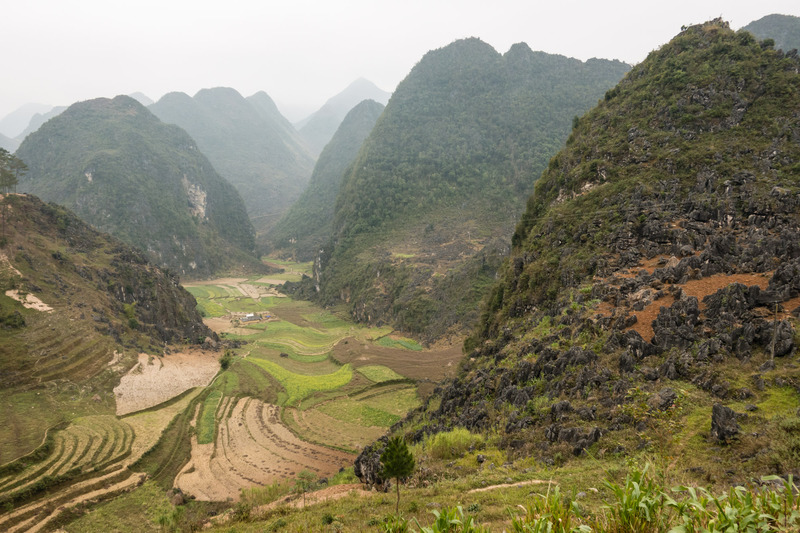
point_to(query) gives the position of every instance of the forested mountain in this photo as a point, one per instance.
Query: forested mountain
(424, 215)
(652, 294)
(12, 124)
(127, 173)
(307, 225)
(142, 98)
(87, 297)
(8, 144)
(37, 120)
(319, 128)
(249, 143)
(783, 29)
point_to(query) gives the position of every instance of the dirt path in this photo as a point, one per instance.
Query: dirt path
(512, 485)
(154, 380)
(336, 492)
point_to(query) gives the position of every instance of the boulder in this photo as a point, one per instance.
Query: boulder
(662, 400)
(723, 423)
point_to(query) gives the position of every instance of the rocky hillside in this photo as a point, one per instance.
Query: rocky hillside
(307, 225)
(73, 303)
(651, 299)
(127, 173)
(249, 143)
(426, 212)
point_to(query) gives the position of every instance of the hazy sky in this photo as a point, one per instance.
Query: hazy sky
(301, 52)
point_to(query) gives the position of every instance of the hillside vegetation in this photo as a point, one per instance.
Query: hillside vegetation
(319, 128)
(249, 143)
(306, 227)
(126, 173)
(76, 308)
(650, 302)
(424, 215)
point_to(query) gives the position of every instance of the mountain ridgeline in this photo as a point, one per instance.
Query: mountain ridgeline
(306, 228)
(424, 215)
(249, 143)
(318, 129)
(127, 173)
(784, 30)
(652, 295)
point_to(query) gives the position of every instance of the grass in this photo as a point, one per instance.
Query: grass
(399, 342)
(207, 421)
(379, 373)
(299, 386)
(131, 512)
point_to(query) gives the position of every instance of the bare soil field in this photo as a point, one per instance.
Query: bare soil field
(315, 426)
(29, 301)
(252, 448)
(154, 380)
(433, 365)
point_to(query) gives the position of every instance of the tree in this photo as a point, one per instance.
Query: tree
(304, 482)
(398, 463)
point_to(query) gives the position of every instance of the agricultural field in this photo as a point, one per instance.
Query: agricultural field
(302, 391)
(320, 404)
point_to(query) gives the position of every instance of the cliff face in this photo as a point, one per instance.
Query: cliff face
(652, 295)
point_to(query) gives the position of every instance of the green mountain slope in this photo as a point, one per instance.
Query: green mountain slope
(783, 29)
(424, 216)
(125, 172)
(651, 300)
(103, 296)
(307, 225)
(318, 129)
(249, 143)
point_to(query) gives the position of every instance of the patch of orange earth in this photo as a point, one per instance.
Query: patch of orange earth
(699, 288)
(645, 317)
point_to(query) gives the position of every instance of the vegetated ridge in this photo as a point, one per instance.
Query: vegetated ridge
(651, 299)
(127, 173)
(87, 296)
(249, 143)
(306, 227)
(424, 216)
(318, 128)
(783, 29)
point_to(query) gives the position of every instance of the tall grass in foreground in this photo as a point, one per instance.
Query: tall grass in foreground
(641, 506)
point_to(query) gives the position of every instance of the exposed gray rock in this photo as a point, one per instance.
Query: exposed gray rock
(723, 423)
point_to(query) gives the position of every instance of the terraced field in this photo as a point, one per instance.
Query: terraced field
(87, 460)
(252, 447)
(89, 450)
(323, 410)
(286, 403)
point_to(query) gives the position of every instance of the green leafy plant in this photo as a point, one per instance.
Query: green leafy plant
(549, 513)
(452, 520)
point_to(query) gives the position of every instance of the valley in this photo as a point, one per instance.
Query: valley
(529, 293)
(303, 391)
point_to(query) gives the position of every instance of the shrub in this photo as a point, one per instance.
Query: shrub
(452, 444)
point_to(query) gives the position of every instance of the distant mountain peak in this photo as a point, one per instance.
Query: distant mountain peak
(318, 128)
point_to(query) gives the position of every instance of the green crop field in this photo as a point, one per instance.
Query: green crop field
(379, 373)
(298, 386)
